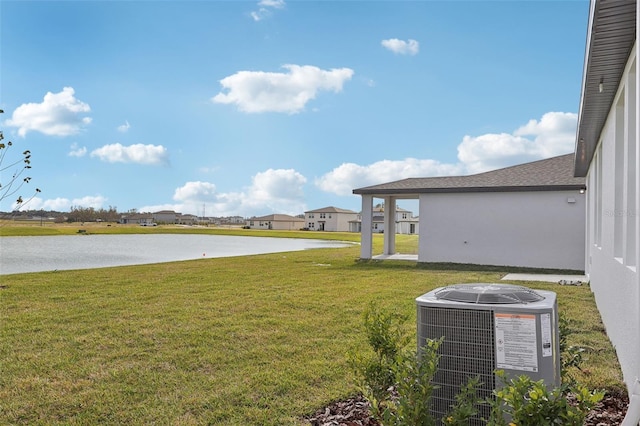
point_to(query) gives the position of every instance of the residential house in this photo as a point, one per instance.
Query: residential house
(165, 217)
(187, 219)
(230, 220)
(608, 155)
(329, 219)
(530, 215)
(406, 223)
(145, 219)
(280, 222)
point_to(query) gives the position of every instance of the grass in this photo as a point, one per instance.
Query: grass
(29, 228)
(255, 340)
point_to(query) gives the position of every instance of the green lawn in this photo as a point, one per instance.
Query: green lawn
(255, 340)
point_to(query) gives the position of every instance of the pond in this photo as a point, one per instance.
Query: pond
(36, 254)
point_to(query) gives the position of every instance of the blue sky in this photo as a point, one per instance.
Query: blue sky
(251, 108)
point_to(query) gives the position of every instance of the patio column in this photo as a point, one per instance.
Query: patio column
(389, 225)
(423, 229)
(366, 231)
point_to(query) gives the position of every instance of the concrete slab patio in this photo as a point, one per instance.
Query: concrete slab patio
(551, 278)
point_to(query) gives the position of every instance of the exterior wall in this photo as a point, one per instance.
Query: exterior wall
(355, 226)
(287, 225)
(277, 225)
(404, 227)
(613, 212)
(165, 217)
(531, 229)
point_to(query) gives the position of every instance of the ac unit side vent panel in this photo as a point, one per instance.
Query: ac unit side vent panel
(468, 351)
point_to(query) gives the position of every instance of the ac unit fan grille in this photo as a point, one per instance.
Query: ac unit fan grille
(491, 294)
(468, 350)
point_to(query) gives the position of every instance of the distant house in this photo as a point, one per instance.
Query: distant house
(280, 222)
(329, 219)
(530, 215)
(187, 219)
(231, 220)
(137, 219)
(165, 217)
(406, 223)
(608, 155)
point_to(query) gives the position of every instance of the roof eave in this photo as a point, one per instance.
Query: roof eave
(417, 191)
(602, 72)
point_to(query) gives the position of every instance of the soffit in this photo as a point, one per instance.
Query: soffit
(610, 40)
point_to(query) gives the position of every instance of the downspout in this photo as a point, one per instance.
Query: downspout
(632, 418)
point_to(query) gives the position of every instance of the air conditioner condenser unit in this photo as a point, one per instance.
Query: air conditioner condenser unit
(489, 327)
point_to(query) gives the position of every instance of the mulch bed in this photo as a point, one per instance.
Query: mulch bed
(355, 412)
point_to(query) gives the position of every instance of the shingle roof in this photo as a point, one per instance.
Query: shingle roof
(552, 174)
(330, 209)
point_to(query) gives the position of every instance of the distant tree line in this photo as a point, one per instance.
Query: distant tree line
(89, 214)
(77, 214)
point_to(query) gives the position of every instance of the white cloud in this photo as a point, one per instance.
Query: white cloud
(137, 153)
(65, 204)
(195, 191)
(77, 151)
(276, 186)
(271, 191)
(348, 176)
(278, 4)
(124, 128)
(59, 114)
(401, 47)
(265, 9)
(258, 91)
(553, 134)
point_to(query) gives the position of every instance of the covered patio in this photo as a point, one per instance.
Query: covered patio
(530, 215)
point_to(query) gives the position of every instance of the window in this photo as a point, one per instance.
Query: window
(322, 216)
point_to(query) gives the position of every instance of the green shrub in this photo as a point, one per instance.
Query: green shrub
(466, 405)
(413, 374)
(529, 403)
(376, 372)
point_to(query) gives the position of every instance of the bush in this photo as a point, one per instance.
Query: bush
(529, 403)
(376, 372)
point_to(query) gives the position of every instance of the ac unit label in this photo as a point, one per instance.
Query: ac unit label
(516, 342)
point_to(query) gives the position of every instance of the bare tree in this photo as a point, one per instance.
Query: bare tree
(17, 169)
